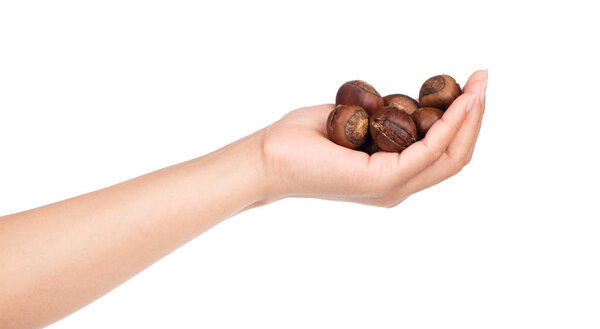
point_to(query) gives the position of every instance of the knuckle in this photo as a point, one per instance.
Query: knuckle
(464, 160)
(390, 205)
(436, 154)
(467, 159)
(455, 164)
(391, 201)
(456, 167)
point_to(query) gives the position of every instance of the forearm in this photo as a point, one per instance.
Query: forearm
(58, 258)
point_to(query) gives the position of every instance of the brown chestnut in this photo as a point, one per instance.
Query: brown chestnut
(403, 102)
(424, 118)
(439, 92)
(348, 125)
(392, 129)
(357, 92)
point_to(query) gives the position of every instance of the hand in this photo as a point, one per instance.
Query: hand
(301, 161)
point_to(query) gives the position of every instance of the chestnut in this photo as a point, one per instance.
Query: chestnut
(424, 118)
(348, 125)
(403, 102)
(357, 92)
(439, 92)
(392, 129)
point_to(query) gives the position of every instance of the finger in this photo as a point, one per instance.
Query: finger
(479, 77)
(453, 159)
(314, 117)
(423, 153)
(460, 148)
(470, 155)
(483, 101)
(319, 117)
(476, 77)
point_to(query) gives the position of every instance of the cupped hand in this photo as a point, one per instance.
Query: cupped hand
(301, 161)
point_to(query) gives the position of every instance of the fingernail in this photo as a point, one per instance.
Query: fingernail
(484, 86)
(470, 102)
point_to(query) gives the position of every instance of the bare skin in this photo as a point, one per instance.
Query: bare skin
(60, 257)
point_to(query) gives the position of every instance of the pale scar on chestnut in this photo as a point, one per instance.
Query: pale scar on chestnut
(433, 85)
(364, 86)
(357, 123)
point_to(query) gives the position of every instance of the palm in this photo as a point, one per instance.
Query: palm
(300, 147)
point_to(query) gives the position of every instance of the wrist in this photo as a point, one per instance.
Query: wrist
(256, 173)
(244, 162)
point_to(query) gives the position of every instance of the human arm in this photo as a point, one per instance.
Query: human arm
(57, 258)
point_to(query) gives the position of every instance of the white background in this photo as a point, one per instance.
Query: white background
(93, 93)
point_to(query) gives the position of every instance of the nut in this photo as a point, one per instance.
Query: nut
(403, 102)
(424, 118)
(392, 129)
(439, 92)
(348, 125)
(357, 92)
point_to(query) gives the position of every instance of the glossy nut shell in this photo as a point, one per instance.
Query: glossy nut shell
(403, 102)
(348, 125)
(392, 129)
(424, 118)
(439, 92)
(357, 92)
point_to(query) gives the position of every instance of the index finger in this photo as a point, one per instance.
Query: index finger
(473, 84)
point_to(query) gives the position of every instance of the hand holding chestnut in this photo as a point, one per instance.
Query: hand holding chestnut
(395, 121)
(301, 160)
